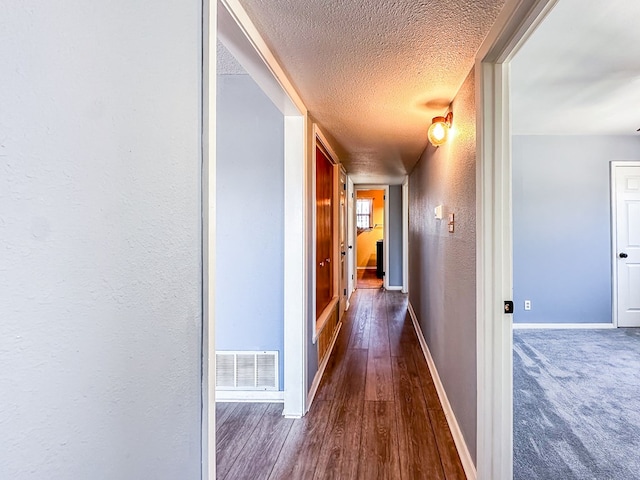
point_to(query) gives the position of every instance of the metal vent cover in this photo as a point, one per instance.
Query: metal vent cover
(247, 370)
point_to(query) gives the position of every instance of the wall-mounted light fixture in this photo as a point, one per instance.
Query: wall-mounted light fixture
(439, 129)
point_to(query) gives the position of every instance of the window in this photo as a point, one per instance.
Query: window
(364, 213)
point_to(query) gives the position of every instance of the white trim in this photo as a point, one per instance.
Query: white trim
(267, 72)
(558, 326)
(250, 396)
(398, 288)
(322, 139)
(208, 395)
(405, 235)
(295, 272)
(239, 34)
(514, 24)
(456, 433)
(385, 239)
(613, 208)
(385, 229)
(321, 368)
(614, 234)
(351, 239)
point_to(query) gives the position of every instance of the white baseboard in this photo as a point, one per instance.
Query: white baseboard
(398, 288)
(249, 396)
(321, 368)
(555, 326)
(458, 438)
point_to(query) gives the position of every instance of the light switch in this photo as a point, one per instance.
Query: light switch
(438, 212)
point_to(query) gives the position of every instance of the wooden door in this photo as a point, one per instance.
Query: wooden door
(324, 231)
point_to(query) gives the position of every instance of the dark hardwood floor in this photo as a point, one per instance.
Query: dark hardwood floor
(376, 414)
(366, 278)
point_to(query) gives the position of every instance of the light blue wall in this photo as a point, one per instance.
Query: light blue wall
(561, 226)
(250, 219)
(395, 235)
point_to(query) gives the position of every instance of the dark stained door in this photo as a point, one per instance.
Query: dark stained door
(324, 231)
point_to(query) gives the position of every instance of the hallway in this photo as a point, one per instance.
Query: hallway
(376, 413)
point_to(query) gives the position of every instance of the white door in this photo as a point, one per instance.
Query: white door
(627, 251)
(351, 235)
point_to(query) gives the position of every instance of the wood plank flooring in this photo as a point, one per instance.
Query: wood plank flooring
(366, 278)
(376, 414)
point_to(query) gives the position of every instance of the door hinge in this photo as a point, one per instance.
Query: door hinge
(344, 186)
(508, 306)
(345, 291)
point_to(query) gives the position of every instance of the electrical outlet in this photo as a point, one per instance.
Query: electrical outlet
(527, 304)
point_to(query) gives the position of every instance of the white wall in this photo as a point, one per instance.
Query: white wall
(250, 219)
(442, 265)
(100, 240)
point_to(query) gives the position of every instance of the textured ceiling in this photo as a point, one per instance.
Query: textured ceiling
(374, 72)
(226, 63)
(579, 73)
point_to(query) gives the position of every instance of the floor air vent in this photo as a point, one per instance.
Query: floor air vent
(246, 370)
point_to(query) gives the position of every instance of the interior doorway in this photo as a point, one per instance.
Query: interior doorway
(370, 238)
(625, 208)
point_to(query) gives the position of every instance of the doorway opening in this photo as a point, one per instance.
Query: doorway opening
(370, 238)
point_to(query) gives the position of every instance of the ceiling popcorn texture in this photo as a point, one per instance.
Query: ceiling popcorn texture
(226, 64)
(374, 72)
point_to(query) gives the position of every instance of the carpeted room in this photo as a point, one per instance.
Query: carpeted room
(576, 404)
(576, 389)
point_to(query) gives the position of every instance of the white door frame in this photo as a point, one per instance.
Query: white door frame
(351, 240)
(614, 236)
(228, 20)
(385, 230)
(494, 282)
(208, 425)
(405, 235)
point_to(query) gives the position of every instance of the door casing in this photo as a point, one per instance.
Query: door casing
(494, 251)
(614, 237)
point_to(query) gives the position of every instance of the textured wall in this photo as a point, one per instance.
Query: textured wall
(562, 226)
(100, 240)
(442, 265)
(395, 236)
(250, 219)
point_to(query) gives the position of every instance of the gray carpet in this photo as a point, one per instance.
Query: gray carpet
(576, 397)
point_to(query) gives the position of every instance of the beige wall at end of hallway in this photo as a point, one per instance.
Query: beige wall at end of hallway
(366, 241)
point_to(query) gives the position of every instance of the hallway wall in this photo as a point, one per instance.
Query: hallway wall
(100, 240)
(442, 265)
(250, 219)
(395, 236)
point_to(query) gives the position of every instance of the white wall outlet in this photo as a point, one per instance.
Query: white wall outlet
(527, 304)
